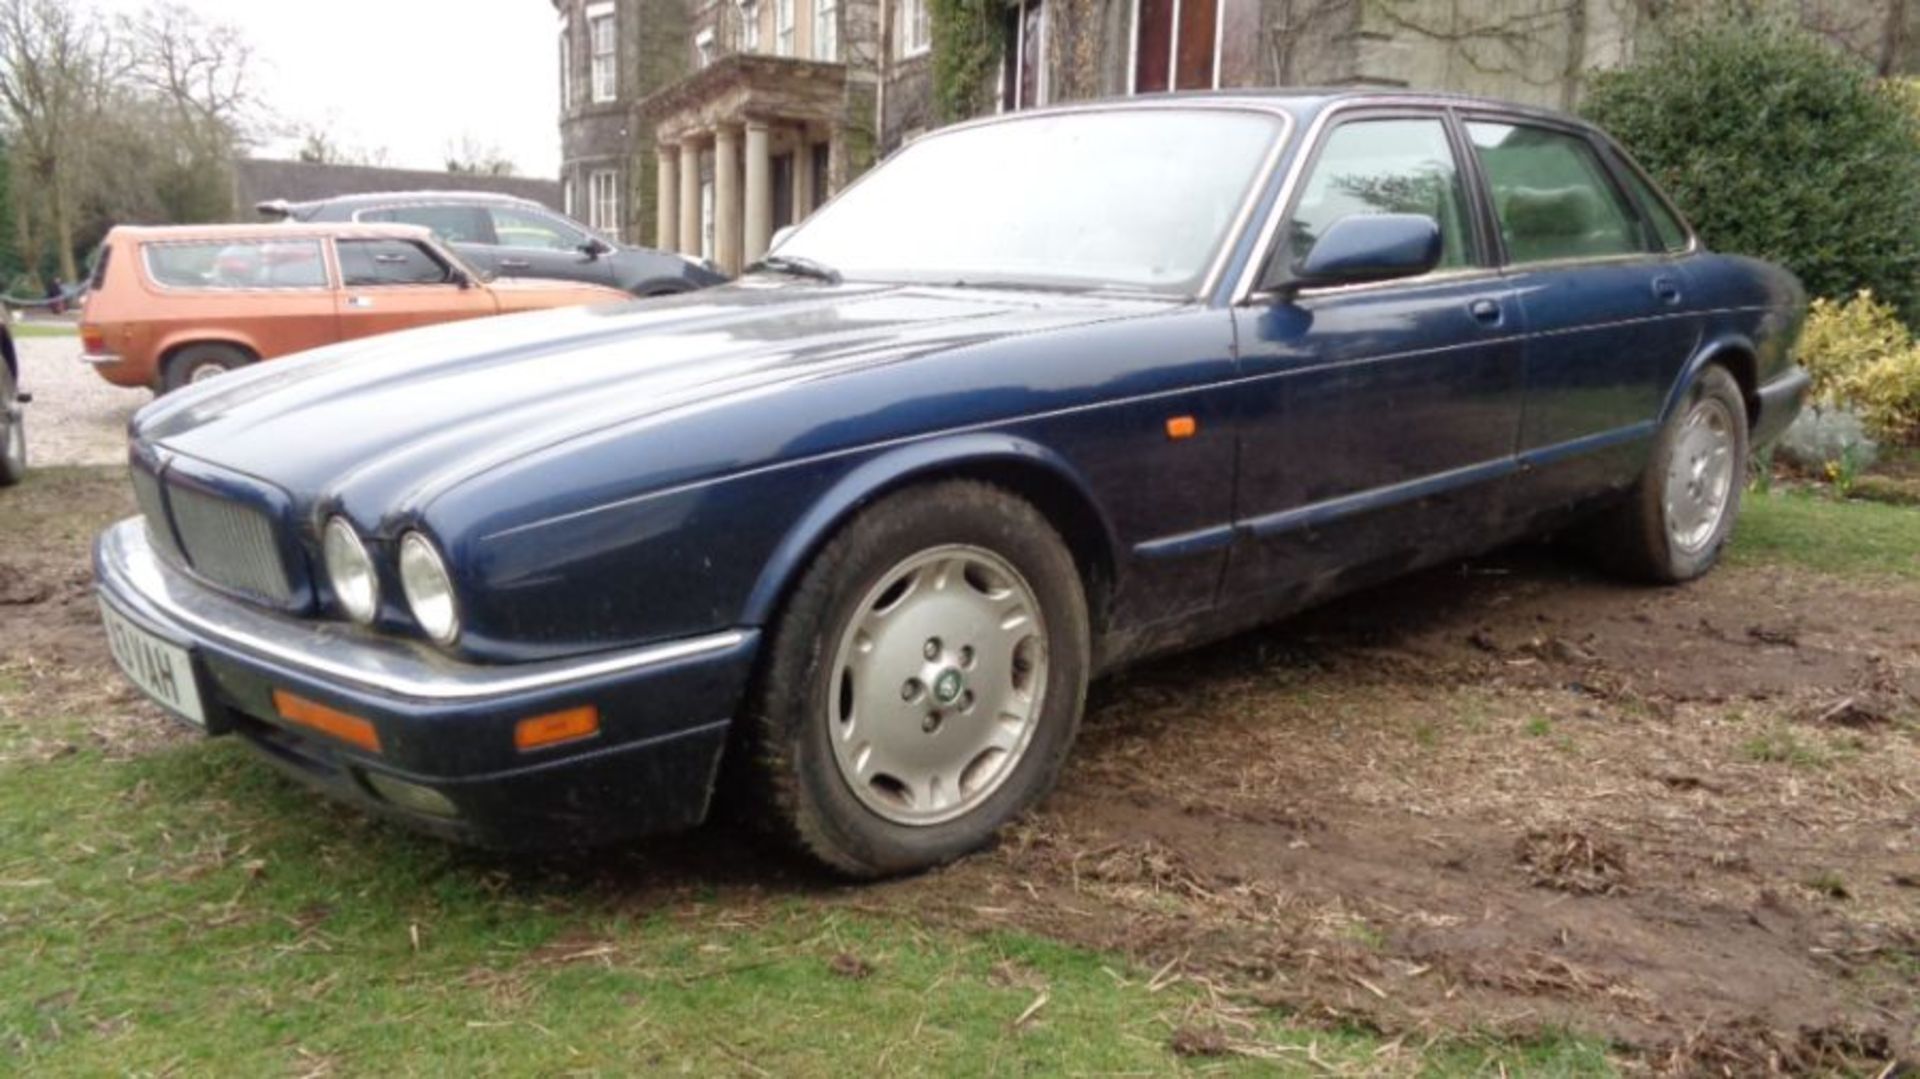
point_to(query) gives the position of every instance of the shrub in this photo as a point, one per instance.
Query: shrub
(1779, 146)
(1862, 357)
(1827, 441)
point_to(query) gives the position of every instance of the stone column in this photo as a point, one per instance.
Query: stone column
(759, 215)
(726, 198)
(666, 198)
(689, 197)
(804, 198)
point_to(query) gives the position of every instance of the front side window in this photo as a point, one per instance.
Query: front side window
(1141, 201)
(783, 27)
(452, 224)
(245, 265)
(606, 49)
(1386, 166)
(1175, 45)
(916, 27)
(603, 202)
(826, 30)
(381, 263)
(1551, 195)
(521, 228)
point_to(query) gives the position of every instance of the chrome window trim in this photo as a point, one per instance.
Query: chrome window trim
(388, 665)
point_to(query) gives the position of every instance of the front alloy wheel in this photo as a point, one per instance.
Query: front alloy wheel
(924, 682)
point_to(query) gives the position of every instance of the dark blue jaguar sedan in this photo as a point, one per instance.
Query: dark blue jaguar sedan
(1043, 394)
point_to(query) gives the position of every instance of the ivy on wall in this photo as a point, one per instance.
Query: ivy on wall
(967, 39)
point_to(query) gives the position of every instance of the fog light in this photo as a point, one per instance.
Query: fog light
(411, 796)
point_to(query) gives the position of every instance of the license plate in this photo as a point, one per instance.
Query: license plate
(162, 669)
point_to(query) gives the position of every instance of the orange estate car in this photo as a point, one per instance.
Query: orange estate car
(174, 305)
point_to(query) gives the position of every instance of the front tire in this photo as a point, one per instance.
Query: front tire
(924, 683)
(1682, 510)
(13, 432)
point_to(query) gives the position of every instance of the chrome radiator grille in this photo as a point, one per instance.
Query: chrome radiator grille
(146, 492)
(230, 544)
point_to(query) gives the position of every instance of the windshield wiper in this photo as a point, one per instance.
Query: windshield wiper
(798, 266)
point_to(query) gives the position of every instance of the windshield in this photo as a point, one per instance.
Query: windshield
(1133, 199)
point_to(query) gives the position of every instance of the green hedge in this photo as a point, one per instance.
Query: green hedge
(1778, 145)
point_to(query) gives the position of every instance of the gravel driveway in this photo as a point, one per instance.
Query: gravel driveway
(76, 418)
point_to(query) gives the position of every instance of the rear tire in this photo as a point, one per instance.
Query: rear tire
(13, 432)
(923, 684)
(1681, 512)
(197, 363)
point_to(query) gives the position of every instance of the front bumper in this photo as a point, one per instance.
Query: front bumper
(445, 725)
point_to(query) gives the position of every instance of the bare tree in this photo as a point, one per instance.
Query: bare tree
(53, 57)
(474, 158)
(197, 70)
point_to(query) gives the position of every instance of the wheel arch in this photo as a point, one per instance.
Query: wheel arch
(1025, 468)
(1734, 352)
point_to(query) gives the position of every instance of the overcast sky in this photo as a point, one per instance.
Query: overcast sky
(411, 76)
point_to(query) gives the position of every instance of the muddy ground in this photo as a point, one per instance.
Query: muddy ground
(1508, 797)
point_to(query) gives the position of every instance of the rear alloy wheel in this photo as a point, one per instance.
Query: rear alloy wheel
(13, 432)
(198, 363)
(1683, 509)
(924, 684)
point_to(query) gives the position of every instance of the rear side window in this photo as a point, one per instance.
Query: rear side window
(452, 224)
(1552, 195)
(373, 263)
(1672, 234)
(1387, 166)
(518, 228)
(247, 264)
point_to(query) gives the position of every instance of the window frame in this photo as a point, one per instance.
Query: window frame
(614, 231)
(607, 63)
(785, 17)
(917, 38)
(566, 65)
(454, 274)
(1650, 243)
(826, 31)
(1010, 100)
(1483, 256)
(749, 25)
(1173, 47)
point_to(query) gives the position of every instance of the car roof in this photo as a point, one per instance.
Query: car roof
(388, 198)
(272, 230)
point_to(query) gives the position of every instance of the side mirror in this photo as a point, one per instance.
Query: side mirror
(780, 236)
(1362, 248)
(596, 247)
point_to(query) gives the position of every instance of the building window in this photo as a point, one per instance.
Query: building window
(1024, 84)
(606, 52)
(783, 27)
(916, 27)
(749, 26)
(566, 196)
(703, 48)
(826, 30)
(1176, 45)
(603, 203)
(566, 67)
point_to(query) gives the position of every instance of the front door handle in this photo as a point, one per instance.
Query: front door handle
(1487, 311)
(515, 264)
(1666, 291)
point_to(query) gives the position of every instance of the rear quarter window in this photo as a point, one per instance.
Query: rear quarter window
(244, 264)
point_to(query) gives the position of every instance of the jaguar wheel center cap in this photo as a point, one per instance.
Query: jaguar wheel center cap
(948, 686)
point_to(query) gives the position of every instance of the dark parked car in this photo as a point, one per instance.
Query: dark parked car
(13, 422)
(865, 524)
(503, 236)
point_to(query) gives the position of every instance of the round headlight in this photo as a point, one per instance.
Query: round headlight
(423, 577)
(350, 571)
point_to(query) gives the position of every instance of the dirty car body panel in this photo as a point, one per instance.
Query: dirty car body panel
(623, 496)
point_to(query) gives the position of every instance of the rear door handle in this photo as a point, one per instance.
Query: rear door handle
(515, 264)
(1487, 311)
(1666, 291)
(359, 301)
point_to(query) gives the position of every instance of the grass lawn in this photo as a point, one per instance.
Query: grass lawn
(1811, 530)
